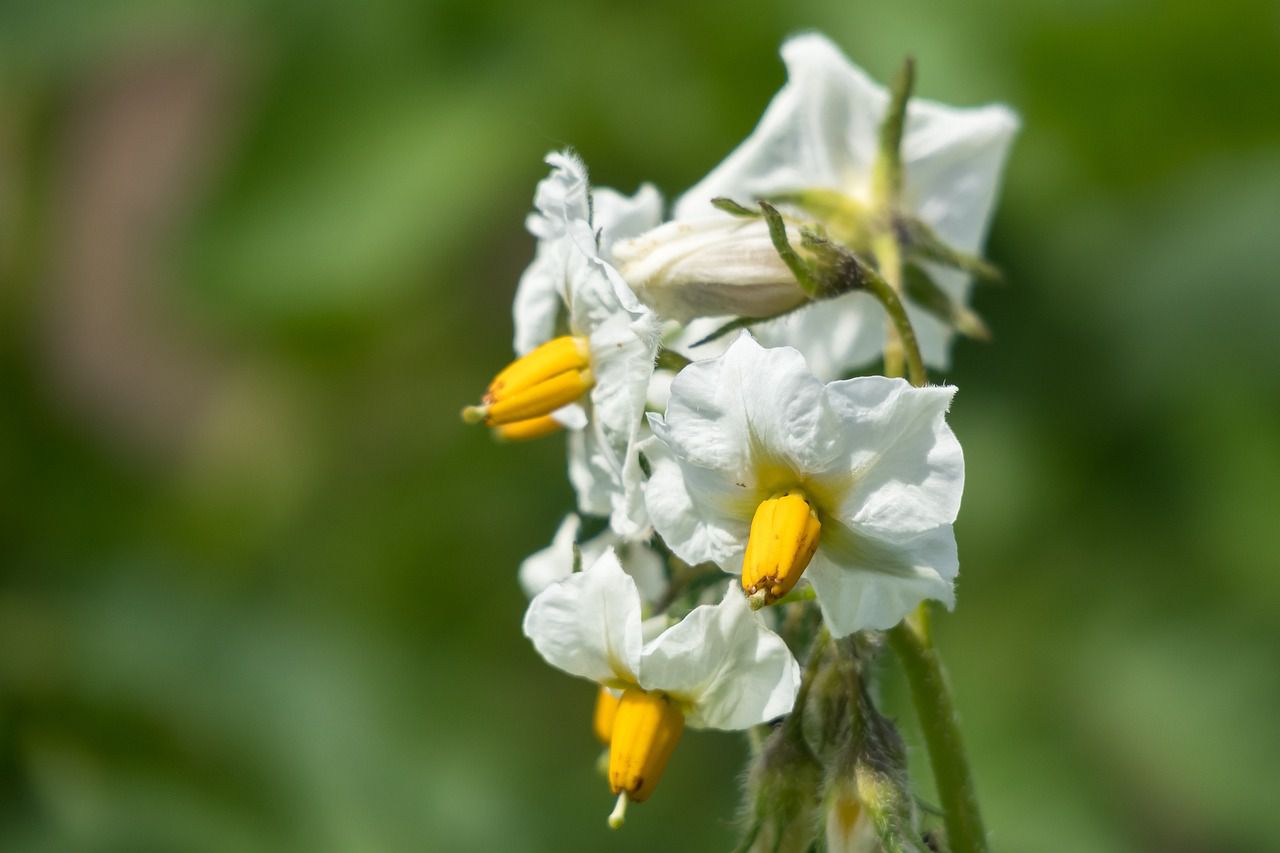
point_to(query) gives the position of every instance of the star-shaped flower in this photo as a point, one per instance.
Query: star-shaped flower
(593, 376)
(821, 132)
(718, 668)
(761, 468)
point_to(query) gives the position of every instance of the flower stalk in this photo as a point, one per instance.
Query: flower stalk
(931, 694)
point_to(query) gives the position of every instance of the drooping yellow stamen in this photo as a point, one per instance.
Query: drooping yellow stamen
(646, 728)
(606, 710)
(784, 535)
(535, 385)
(528, 429)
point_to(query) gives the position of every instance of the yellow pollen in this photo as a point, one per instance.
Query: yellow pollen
(535, 385)
(606, 710)
(527, 429)
(646, 728)
(784, 535)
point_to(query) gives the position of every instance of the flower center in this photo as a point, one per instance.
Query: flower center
(522, 397)
(646, 728)
(784, 536)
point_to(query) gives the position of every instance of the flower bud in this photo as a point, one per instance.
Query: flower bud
(849, 826)
(709, 268)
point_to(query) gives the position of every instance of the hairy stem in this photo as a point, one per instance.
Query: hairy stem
(901, 332)
(931, 694)
(888, 256)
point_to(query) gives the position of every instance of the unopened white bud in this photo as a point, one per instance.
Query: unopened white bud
(710, 267)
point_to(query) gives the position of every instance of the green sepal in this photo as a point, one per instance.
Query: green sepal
(887, 174)
(670, 360)
(925, 293)
(732, 208)
(923, 243)
(803, 273)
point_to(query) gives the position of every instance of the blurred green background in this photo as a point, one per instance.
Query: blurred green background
(257, 588)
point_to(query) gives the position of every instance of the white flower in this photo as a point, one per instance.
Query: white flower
(718, 668)
(593, 379)
(859, 479)
(572, 219)
(556, 562)
(821, 132)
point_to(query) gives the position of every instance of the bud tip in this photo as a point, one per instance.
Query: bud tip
(474, 414)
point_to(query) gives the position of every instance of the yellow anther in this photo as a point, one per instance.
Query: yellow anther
(646, 728)
(535, 385)
(606, 709)
(784, 535)
(529, 429)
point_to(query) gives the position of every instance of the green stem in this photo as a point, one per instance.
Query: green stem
(931, 694)
(817, 649)
(902, 332)
(888, 255)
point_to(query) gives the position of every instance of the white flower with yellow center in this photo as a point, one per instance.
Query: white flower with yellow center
(594, 376)
(761, 468)
(821, 133)
(718, 668)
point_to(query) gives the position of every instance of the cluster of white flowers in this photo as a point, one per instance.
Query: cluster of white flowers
(761, 460)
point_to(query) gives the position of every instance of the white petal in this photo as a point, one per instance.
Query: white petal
(572, 416)
(750, 411)
(905, 464)
(589, 624)
(539, 297)
(562, 198)
(554, 562)
(710, 529)
(604, 464)
(724, 665)
(952, 161)
(833, 335)
(820, 130)
(645, 565)
(868, 584)
(619, 217)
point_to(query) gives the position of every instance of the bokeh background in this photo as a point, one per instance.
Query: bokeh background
(257, 586)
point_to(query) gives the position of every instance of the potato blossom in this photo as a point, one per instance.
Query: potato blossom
(761, 468)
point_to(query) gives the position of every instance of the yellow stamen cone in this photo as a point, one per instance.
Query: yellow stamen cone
(606, 710)
(535, 385)
(541, 399)
(528, 429)
(646, 728)
(784, 535)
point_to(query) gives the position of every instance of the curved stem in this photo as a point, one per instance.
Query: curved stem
(905, 334)
(931, 695)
